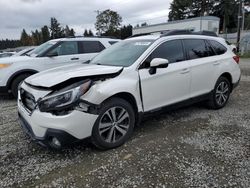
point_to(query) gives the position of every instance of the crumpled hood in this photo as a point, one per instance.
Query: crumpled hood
(17, 59)
(56, 76)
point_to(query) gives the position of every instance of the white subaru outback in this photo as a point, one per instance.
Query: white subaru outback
(53, 53)
(106, 98)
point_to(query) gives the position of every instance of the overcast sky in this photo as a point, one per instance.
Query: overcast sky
(78, 14)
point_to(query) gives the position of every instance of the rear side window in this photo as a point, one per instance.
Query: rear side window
(90, 47)
(171, 50)
(218, 47)
(197, 48)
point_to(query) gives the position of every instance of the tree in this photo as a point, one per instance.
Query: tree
(25, 38)
(55, 28)
(126, 31)
(226, 10)
(4, 44)
(91, 34)
(144, 24)
(247, 22)
(180, 9)
(108, 22)
(36, 38)
(67, 31)
(45, 33)
(72, 32)
(86, 34)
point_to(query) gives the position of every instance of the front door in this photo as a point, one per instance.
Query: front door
(168, 85)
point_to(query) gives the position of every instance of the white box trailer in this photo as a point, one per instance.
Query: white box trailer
(209, 23)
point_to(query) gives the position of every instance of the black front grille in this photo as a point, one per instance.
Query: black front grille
(28, 100)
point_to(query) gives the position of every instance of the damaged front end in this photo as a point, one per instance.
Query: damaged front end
(64, 100)
(67, 96)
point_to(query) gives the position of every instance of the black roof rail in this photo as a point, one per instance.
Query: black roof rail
(179, 32)
(110, 37)
(188, 32)
(176, 32)
(207, 33)
(138, 35)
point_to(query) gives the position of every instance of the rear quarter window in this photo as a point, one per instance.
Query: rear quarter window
(90, 47)
(197, 48)
(218, 47)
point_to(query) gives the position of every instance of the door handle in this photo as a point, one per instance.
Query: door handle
(74, 58)
(184, 71)
(216, 63)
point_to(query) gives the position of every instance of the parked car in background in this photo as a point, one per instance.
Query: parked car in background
(51, 54)
(6, 54)
(24, 51)
(106, 98)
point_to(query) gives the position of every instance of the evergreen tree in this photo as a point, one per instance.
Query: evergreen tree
(67, 31)
(45, 33)
(86, 34)
(25, 38)
(72, 32)
(126, 31)
(144, 24)
(91, 34)
(55, 28)
(36, 38)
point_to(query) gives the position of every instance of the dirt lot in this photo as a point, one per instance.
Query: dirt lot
(189, 147)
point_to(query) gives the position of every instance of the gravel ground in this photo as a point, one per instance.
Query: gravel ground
(189, 147)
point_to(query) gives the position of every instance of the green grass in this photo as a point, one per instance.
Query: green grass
(246, 55)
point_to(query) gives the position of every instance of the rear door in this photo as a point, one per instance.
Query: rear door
(202, 61)
(168, 85)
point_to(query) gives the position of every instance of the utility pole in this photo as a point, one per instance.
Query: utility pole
(239, 25)
(243, 14)
(201, 13)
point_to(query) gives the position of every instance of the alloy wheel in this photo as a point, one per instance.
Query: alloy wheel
(114, 124)
(222, 93)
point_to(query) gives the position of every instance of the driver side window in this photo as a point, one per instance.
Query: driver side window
(66, 48)
(171, 50)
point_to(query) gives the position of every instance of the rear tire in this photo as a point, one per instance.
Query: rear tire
(220, 94)
(16, 82)
(115, 124)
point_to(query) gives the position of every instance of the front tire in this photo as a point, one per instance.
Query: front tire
(16, 82)
(220, 94)
(114, 125)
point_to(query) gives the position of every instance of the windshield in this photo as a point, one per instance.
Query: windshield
(123, 53)
(42, 48)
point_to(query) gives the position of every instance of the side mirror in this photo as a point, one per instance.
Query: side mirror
(52, 54)
(157, 63)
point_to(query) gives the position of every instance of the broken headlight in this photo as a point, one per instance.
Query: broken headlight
(64, 98)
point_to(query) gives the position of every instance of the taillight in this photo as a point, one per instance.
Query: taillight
(237, 59)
